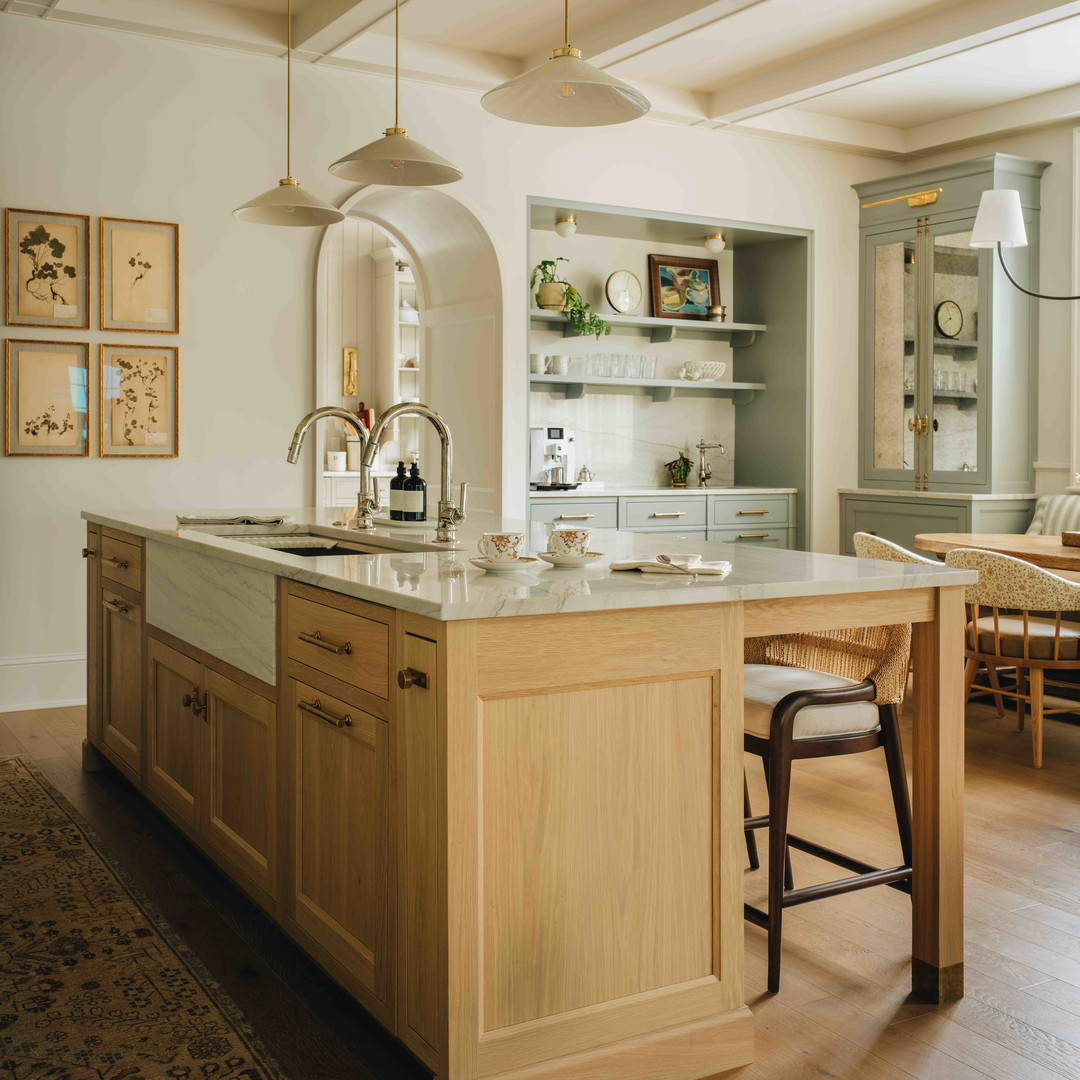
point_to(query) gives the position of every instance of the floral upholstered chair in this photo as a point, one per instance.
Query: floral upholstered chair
(869, 546)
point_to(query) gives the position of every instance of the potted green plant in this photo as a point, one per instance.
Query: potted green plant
(680, 469)
(554, 293)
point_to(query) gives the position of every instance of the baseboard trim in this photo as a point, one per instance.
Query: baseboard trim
(31, 706)
(46, 681)
(45, 658)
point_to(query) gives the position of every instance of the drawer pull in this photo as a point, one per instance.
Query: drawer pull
(753, 512)
(673, 513)
(408, 677)
(115, 605)
(191, 701)
(316, 709)
(88, 553)
(753, 536)
(120, 564)
(574, 517)
(316, 638)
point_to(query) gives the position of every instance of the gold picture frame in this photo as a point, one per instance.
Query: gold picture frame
(139, 272)
(46, 398)
(47, 269)
(138, 401)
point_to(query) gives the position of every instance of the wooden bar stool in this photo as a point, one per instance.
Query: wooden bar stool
(822, 695)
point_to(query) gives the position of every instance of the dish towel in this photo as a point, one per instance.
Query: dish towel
(182, 520)
(693, 563)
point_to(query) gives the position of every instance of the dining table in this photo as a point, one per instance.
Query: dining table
(1046, 551)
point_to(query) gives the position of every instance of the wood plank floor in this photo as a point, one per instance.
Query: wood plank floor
(843, 1011)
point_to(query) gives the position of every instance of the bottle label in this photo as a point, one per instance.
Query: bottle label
(412, 502)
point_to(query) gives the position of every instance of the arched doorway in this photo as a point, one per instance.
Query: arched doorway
(460, 288)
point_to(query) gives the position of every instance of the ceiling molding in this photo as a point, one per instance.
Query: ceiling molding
(325, 26)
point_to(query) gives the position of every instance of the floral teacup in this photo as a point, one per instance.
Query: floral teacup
(501, 546)
(570, 542)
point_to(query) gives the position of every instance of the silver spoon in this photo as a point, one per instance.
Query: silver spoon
(682, 569)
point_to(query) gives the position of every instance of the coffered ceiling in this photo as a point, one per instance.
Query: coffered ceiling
(898, 78)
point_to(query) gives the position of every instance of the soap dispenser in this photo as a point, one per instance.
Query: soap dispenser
(415, 505)
(397, 494)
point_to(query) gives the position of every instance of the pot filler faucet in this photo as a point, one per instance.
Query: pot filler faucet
(451, 514)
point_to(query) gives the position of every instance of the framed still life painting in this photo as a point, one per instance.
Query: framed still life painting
(683, 288)
(46, 399)
(140, 276)
(139, 401)
(47, 256)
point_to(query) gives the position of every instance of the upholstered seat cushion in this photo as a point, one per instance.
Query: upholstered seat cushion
(1040, 637)
(1055, 514)
(765, 684)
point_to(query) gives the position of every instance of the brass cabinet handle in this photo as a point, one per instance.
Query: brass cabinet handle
(316, 638)
(751, 512)
(753, 536)
(115, 605)
(408, 677)
(574, 517)
(88, 553)
(316, 709)
(674, 513)
(191, 701)
(120, 564)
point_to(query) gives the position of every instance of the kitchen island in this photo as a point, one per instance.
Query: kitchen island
(505, 813)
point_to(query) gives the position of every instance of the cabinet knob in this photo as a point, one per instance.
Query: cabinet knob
(408, 677)
(88, 553)
(191, 701)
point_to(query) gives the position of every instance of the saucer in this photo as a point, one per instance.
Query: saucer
(520, 563)
(570, 560)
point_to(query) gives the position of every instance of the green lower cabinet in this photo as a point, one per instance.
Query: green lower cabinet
(900, 518)
(763, 537)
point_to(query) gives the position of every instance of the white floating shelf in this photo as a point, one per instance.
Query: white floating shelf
(576, 386)
(738, 334)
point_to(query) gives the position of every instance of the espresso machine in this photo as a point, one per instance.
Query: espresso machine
(551, 459)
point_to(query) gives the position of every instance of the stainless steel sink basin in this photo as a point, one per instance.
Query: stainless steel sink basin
(313, 542)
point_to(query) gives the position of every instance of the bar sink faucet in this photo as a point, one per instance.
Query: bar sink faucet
(704, 468)
(451, 514)
(367, 498)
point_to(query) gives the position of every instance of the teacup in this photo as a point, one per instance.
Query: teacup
(501, 546)
(570, 542)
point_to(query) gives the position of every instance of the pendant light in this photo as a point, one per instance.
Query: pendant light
(288, 203)
(395, 158)
(566, 92)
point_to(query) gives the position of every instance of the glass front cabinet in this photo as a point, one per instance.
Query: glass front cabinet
(948, 346)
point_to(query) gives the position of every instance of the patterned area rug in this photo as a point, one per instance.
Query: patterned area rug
(94, 985)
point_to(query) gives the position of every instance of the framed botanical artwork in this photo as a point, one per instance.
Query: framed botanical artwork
(45, 412)
(47, 255)
(683, 288)
(139, 265)
(140, 410)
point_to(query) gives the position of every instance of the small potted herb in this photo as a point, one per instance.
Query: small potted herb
(680, 469)
(557, 294)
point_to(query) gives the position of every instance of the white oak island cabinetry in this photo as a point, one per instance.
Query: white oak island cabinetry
(504, 813)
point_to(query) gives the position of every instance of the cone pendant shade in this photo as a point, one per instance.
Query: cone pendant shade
(566, 92)
(288, 204)
(398, 160)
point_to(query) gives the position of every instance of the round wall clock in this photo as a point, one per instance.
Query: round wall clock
(623, 291)
(948, 318)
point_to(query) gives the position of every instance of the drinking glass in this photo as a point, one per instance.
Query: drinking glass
(648, 367)
(633, 367)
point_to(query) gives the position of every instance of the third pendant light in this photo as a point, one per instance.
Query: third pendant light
(395, 158)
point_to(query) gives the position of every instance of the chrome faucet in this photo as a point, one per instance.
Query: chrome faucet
(367, 498)
(451, 514)
(704, 468)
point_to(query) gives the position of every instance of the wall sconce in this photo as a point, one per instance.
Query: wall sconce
(715, 243)
(566, 226)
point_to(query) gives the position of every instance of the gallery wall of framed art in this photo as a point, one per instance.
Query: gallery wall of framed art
(52, 388)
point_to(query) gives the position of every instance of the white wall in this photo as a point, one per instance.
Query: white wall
(103, 123)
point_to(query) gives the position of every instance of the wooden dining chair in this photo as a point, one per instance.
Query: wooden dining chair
(822, 695)
(1015, 620)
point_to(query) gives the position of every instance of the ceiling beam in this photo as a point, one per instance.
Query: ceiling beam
(324, 26)
(898, 48)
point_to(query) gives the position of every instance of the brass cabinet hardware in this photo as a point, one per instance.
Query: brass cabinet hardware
(115, 605)
(753, 536)
(408, 677)
(574, 517)
(914, 198)
(316, 638)
(741, 512)
(199, 708)
(315, 709)
(88, 553)
(120, 564)
(673, 513)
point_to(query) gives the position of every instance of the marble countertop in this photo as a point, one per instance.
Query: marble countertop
(442, 584)
(951, 496)
(600, 493)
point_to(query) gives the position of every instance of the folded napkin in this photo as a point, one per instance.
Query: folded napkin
(649, 565)
(196, 519)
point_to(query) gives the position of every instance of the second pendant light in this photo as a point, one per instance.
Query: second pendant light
(395, 158)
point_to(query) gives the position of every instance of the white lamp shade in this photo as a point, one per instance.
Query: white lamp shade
(715, 243)
(288, 204)
(1000, 220)
(397, 160)
(566, 92)
(565, 226)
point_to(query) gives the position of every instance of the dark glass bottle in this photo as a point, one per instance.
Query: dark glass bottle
(397, 494)
(415, 495)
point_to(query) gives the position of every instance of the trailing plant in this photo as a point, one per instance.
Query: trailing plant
(578, 313)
